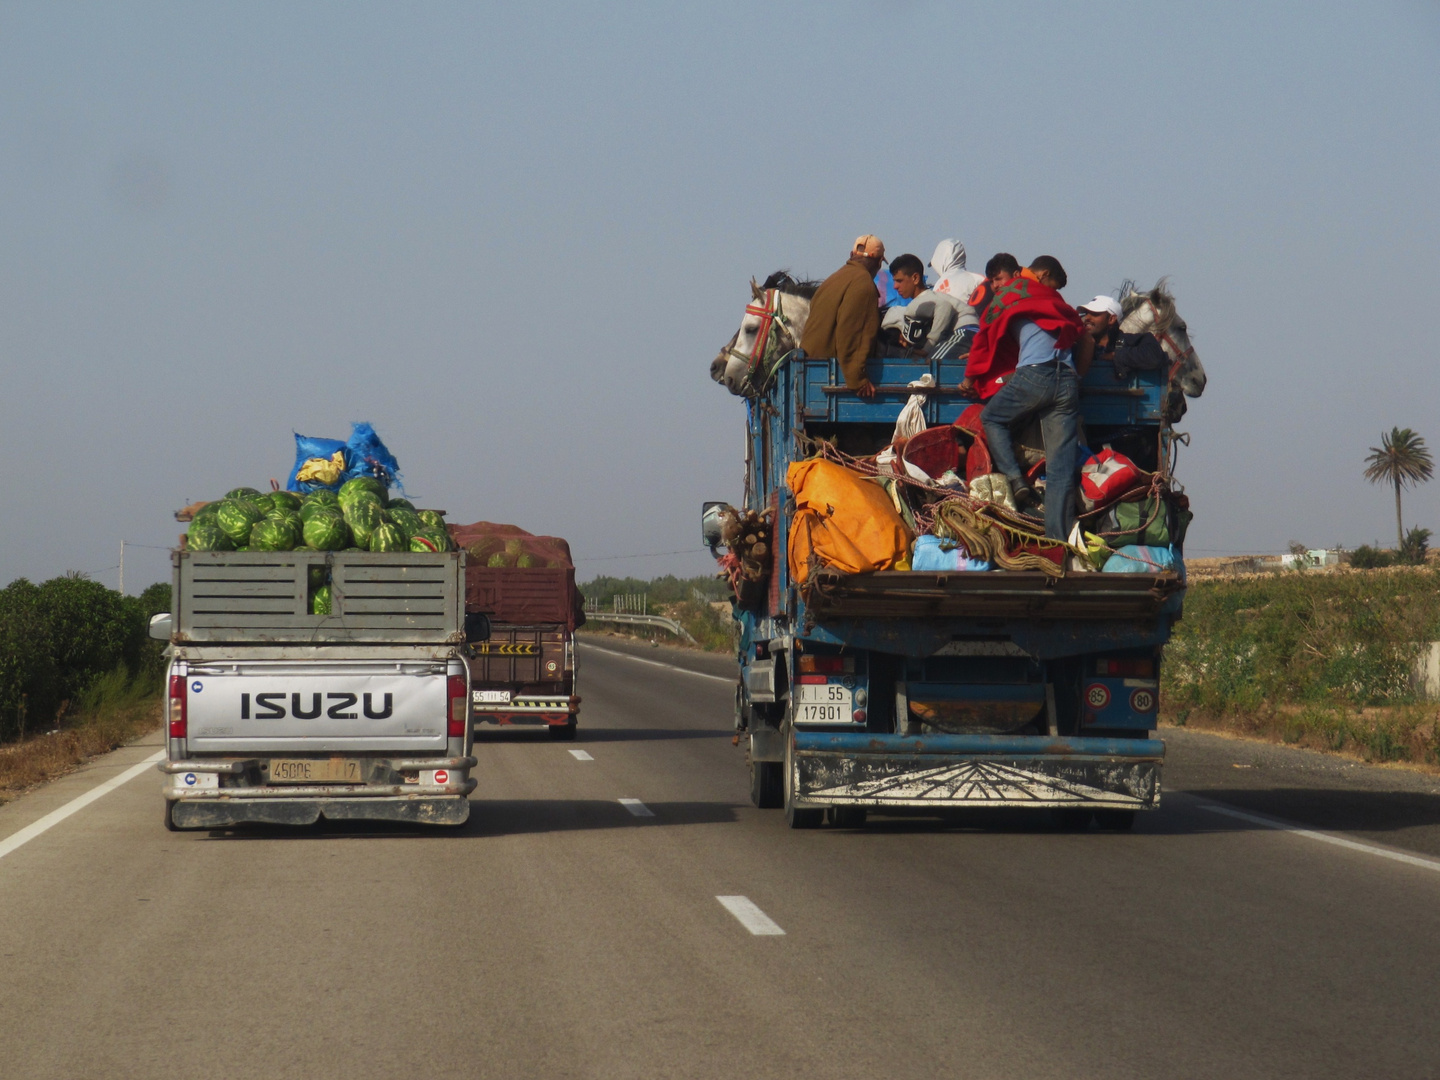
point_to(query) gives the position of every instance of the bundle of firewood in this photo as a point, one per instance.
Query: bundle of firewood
(749, 536)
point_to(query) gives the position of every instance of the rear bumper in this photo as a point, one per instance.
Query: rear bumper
(242, 781)
(976, 770)
(189, 813)
(558, 709)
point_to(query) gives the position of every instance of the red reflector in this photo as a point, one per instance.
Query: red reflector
(858, 716)
(177, 707)
(459, 699)
(832, 665)
(812, 680)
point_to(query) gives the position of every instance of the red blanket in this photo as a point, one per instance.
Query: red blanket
(994, 352)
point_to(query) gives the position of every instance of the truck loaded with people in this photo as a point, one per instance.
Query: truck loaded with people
(959, 552)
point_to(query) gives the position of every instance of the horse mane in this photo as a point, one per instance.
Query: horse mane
(782, 280)
(1131, 298)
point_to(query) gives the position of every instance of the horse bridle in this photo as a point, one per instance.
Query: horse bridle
(1163, 336)
(770, 313)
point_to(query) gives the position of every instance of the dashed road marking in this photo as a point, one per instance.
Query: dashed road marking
(25, 835)
(636, 807)
(581, 755)
(1324, 838)
(657, 663)
(750, 916)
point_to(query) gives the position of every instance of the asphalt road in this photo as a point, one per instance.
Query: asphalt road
(562, 934)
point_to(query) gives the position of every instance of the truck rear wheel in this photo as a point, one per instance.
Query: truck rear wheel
(1115, 820)
(170, 816)
(767, 784)
(562, 732)
(848, 817)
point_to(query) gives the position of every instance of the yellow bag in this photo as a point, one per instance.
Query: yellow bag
(845, 520)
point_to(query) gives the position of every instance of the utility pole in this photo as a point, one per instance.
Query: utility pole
(122, 567)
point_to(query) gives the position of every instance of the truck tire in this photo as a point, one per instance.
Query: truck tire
(562, 732)
(798, 817)
(170, 817)
(767, 784)
(1072, 819)
(848, 817)
(1115, 820)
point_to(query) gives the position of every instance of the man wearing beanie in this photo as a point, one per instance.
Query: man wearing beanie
(845, 314)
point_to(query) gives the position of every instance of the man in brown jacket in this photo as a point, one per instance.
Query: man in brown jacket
(845, 314)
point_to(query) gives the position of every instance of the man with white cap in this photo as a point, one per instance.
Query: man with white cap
(845, 314)
(1128, 352)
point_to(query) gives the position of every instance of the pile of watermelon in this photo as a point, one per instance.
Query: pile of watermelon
(359, 517)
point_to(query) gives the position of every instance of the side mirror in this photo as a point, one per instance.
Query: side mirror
(161, 626)
(710, 534)
(477, 627)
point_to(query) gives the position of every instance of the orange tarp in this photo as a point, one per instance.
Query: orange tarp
(846, 520)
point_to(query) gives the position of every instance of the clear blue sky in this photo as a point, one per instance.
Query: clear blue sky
(514, 237)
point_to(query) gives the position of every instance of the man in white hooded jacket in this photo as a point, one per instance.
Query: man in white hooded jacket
(953, 280)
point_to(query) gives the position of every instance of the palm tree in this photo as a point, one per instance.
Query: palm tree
(1403, 460)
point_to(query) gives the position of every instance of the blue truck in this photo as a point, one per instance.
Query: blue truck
(939, 691)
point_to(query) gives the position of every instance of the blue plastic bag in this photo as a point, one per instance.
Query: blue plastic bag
(308, 448)
(1139, 559)
(935, 555)
(366, 455)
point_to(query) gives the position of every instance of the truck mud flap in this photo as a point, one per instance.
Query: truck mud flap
(977, 770)
(216, 814)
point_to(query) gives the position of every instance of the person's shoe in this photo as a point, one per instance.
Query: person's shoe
(1025, 497)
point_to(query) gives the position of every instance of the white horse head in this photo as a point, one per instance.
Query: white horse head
(1154, 311)
(771, 328)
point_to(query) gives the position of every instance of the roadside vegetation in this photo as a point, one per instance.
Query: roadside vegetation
(79, 674)
(699, 604)
(1324, 660)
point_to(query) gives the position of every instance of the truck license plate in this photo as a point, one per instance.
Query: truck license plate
(491, 697)
(315, 771)
(822, 704)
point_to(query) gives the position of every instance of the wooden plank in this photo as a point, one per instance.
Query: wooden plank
(391, 606)
(251, 605)
(243, 588)
(383, 588)
(312, 622)
(279, 572)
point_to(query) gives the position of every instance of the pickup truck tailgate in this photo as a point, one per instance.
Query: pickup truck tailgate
(278, 706)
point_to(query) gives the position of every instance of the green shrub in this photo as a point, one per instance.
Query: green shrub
(1417, 544)
(1366, 557)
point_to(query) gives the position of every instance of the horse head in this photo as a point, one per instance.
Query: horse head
(771, 328)
(1154, 311)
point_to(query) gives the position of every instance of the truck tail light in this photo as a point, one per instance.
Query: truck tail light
(459, 700)
(1127, 669)
(826, 665)
(177, 707)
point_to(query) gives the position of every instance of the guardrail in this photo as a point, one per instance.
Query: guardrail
(659, 621)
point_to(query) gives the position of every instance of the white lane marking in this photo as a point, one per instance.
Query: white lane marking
(657, 663)
(750, 916)
(1324, 838)
(50, 820)
(581, 755)
(636, 807)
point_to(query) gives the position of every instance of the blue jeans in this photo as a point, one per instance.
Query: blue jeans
(1053, 391)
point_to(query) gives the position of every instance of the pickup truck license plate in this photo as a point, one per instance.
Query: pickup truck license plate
(827, 703)
(315, 771)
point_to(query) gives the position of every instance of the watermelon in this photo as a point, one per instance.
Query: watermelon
(320, 601)
(242, 493)
(433, 518)
(525, 562)
(236, 517)
(206, 536)
(287, 501)
(317, 576)
(323, 497)
(407, 521)
(362, 514)
(388, 538)
(351, 488)
(420, 543)
(404, 504)
(500, 559)
(327, 531)
(271, 535)
(207, 512)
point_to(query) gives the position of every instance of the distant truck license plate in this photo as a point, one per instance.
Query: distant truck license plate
(315, 771)
(491, 697)
(827, 703)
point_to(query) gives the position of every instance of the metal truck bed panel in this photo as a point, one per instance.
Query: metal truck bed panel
(264, 597)
(821, 395)
(996, 594)
(951, 771)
